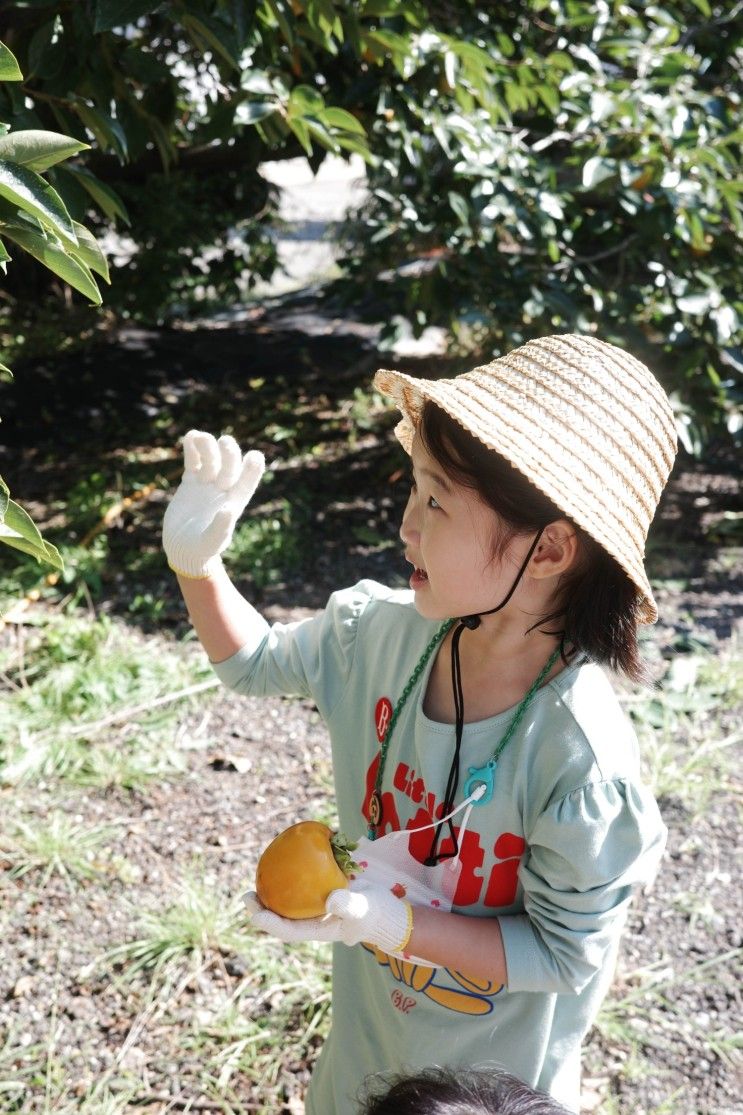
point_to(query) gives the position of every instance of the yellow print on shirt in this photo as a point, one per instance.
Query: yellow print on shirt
(449, 989)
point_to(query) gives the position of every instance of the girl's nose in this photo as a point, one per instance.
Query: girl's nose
(409, 527)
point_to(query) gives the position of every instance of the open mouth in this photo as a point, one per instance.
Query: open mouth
(418, 578)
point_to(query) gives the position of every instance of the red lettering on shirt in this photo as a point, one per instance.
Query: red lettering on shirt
(470, 884)
(403, 1003)
(382, 717)
(504, 877)
(509, 844)
(414, 788)
(400, 779)
(500, 887)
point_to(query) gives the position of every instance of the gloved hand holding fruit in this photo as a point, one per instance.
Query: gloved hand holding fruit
(302, 894)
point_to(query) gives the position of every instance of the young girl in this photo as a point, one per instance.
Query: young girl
(478, 693)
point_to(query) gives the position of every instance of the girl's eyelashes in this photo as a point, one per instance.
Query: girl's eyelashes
(431, 502)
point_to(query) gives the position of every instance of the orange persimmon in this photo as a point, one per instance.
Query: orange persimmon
(299, 869)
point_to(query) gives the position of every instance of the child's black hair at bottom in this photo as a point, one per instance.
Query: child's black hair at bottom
(597, 610)
(460, 1091)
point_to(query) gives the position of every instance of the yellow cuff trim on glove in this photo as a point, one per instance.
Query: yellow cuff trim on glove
(408, 930)
(190, 576)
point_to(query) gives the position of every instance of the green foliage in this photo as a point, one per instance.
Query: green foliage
(55, 844)
(85, 702)
(266, 547)
(689, 728)
(19, 531)
(34, 217)
(547, 166)
(200, 921)
(183, 100)
(182, 259)
(597, 188)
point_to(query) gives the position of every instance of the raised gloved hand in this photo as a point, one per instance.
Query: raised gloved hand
(216, 486)
(370, 914)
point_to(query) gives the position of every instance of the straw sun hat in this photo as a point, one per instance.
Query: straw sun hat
(584, 421)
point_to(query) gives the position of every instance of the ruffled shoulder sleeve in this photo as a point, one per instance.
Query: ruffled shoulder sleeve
(585, 853)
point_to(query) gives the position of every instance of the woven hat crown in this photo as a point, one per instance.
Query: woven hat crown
(583, 420)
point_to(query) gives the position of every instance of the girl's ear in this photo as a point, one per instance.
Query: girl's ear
(557, 550)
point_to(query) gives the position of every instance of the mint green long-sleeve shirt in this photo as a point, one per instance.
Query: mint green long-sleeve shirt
(554, 855)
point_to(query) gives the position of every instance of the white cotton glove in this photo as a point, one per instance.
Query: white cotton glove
(290, 930)
(217, 484)
(370, 914)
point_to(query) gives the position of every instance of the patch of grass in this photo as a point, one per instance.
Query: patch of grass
(273, 1025)
(268, 547)
(643, 1017)
(198, 928)
(88, 700)
(697, 908)
(33, 1077)
(250, 1038)
(19, 1061)
(99, 1099)
(689, 726)
(54, 844)
(23, 578)
(47, 326)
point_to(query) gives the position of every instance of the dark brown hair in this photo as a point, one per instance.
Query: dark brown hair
(597, 606)
(441, 1091)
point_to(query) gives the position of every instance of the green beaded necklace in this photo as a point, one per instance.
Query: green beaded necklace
(477, 775)
(375, 801)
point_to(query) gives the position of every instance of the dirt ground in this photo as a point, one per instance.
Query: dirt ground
(119, 409)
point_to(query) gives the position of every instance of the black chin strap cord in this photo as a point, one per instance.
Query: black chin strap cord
(471, 623)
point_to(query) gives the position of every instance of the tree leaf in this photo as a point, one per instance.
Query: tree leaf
(250, 112)
(89, 252)
(381, 8)
(107, 131)
(102, 195)
(299, 128)
(551, 205)
(321, 133)
(277, 10)
(18, 521)
(460, 208)
(18, 530)
(339, 118)
(597, 170)
(30, 192)
(58, 258)
(305, 101)
(257, 81)
(215, 34)
(37, 149)
(9, 68)
(118, 13)
(694, 303)
(45, 553)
